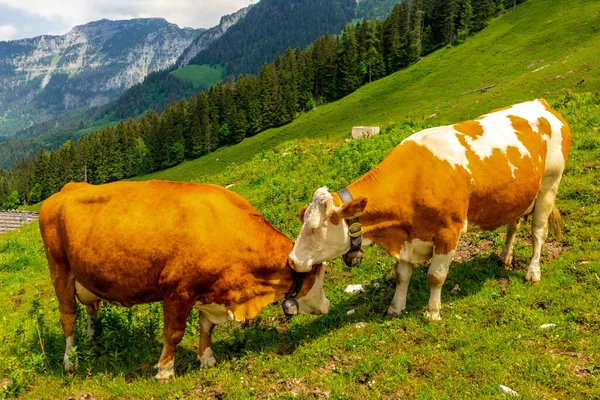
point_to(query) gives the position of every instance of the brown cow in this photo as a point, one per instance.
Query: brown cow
(440, 183)
(185, 244)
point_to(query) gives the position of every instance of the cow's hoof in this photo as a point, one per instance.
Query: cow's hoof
(392, 312)
(166, 373)
(433, 315)
(162, 378)
(71, 366)
(207, 360)
(533, 277)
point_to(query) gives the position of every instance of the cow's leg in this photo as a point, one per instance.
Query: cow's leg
(93, 310)
(511, 234)
(175, 314)
(205, 353)
(436, 276)
(92, 304)
(541, 211)
(64, 286)
(403, 273)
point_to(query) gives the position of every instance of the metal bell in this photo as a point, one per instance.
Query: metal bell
(353, 258)
(290, 307)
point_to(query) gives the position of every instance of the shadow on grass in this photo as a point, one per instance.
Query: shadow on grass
(128, 345)
(372, 306)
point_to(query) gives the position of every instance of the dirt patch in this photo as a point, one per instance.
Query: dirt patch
(81, 396)
(16, 301)
(202, 392)
(469, 246)
(582, 372)
(553, 249)
(466, 250)
(297, 386)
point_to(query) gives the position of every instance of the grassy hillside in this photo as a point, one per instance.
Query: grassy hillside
(490, 334)
(201, 76)
(524, 55)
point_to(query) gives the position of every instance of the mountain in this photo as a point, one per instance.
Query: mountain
(273, 25)
(270, 27)
(244, 41)
(210, 35)
(89, 66)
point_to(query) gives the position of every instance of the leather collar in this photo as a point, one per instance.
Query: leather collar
(354, 256)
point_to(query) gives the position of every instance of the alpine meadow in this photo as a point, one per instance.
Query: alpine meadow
(540, 340)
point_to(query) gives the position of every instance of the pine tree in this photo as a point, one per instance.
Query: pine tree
(466, 19)
(450, 21)
(395, 40)
(288, 72)
(324, 57)
(212, 137)
(171, 127)
(483, 10)
(371, 57)
(238, 128)
(416, 28)
(305, 79)
(347, 76)
(199, 125)
(270, 96)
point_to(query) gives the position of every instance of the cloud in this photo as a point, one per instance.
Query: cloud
(7, 32)
(67, 13)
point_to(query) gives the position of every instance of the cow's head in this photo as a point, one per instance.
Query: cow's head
(324, 234)
(311, 299)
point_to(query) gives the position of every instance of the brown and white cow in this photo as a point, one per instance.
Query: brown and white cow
(185, 244)
(440, 183)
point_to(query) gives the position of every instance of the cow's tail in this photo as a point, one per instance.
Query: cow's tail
(555, 223)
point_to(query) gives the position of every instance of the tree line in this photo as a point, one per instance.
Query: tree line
(299, 80)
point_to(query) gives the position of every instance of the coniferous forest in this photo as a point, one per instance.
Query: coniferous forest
(333, 66)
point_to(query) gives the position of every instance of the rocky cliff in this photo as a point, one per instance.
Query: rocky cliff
(90, 65)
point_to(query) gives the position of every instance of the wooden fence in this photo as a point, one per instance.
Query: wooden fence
(10, 220)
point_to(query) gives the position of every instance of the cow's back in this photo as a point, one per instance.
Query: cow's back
(518, 148)
(129, 241)
(498, 160)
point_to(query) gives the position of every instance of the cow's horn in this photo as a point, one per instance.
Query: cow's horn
(290, 307)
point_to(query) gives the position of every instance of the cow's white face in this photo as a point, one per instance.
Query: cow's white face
(324, 234)
(315, 301)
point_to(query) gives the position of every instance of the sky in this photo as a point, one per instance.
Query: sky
(28, 18)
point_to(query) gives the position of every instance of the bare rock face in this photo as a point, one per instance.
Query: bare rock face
(209, 36)
(90, 65)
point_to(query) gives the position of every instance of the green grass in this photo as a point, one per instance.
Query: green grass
(490, 333)
(201, 76)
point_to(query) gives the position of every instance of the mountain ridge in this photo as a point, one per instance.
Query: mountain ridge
(210, 35)
(89, 65)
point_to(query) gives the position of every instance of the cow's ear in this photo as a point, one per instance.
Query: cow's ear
(302, 212)
(351, 209)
